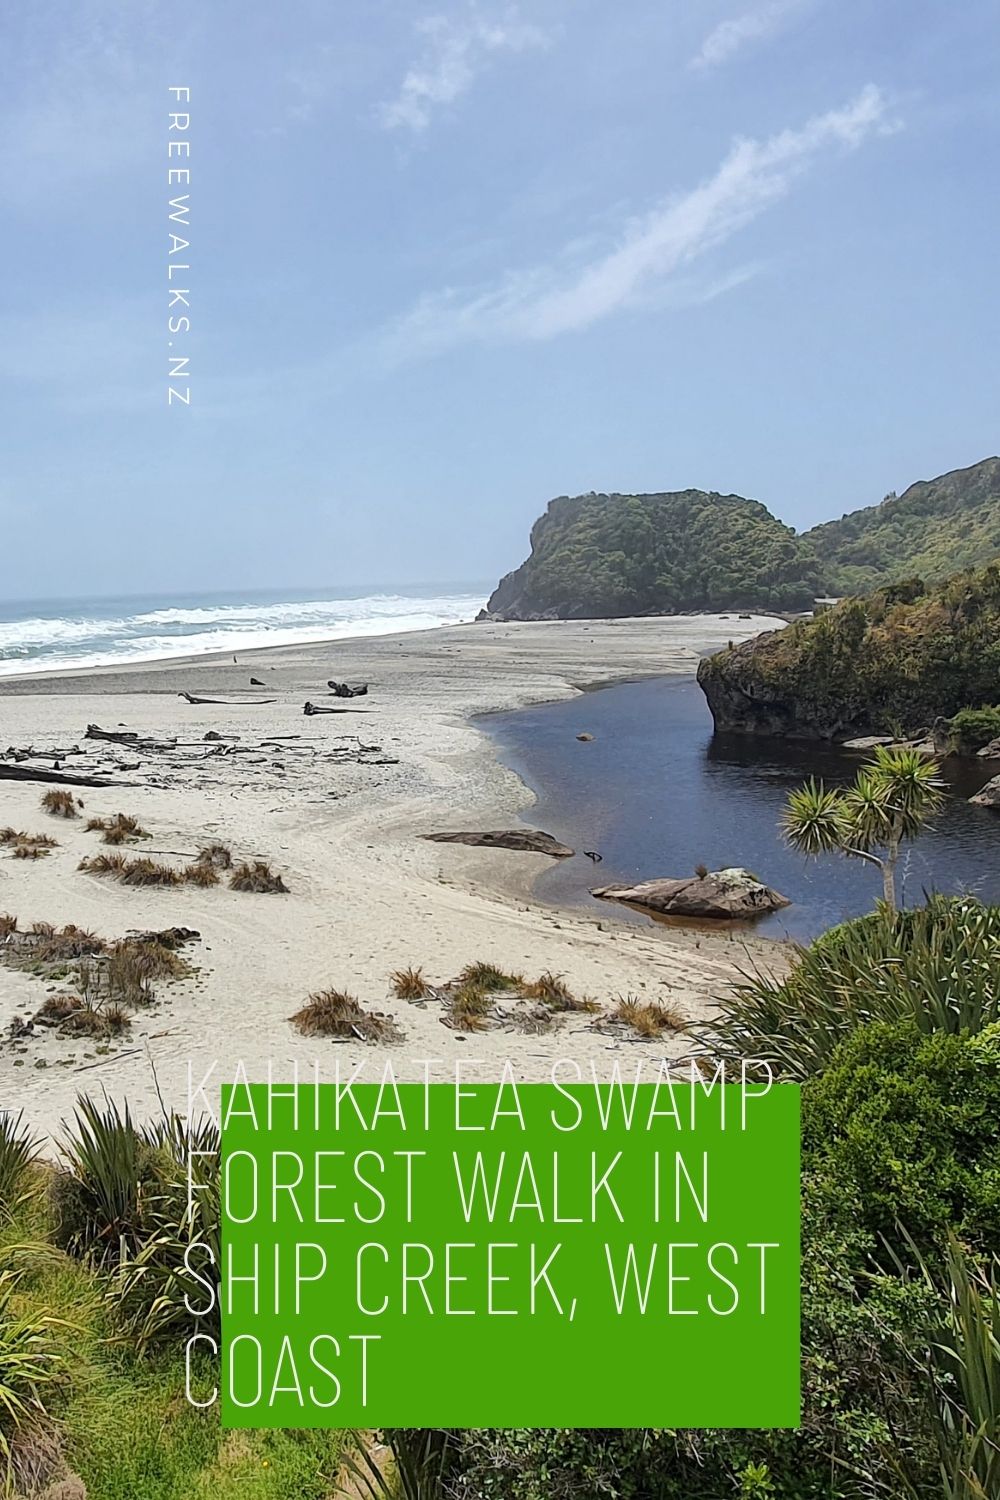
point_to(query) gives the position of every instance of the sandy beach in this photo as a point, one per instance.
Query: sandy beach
(366, 895)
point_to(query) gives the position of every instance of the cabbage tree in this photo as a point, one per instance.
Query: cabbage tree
(888, 803)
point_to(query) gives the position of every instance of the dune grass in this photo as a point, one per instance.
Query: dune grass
(648, 1018)
(218, 856)
(334, 1013)
(26, 845)
(120, 829)
(61, 804)
(468, 1007)
(257, 877)
(409, 984)
(489, 978)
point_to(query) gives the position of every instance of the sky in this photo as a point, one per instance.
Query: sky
(447, 262)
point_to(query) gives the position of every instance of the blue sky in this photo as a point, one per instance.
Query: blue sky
(450, 261)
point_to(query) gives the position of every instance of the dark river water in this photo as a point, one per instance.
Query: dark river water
(656, 793)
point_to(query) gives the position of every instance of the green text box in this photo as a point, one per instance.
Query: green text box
(533, 1319)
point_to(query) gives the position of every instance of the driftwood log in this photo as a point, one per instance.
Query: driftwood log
(228, 702)
(344, 689)
(127, 737)
(60, 778)
(328, 708)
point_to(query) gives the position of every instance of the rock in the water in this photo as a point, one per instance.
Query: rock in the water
(720, 893)
(989, 795)
(529, 840)
(990, 751)
(585, 737)
(869, 742)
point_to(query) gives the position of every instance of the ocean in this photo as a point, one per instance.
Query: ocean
(48, 635)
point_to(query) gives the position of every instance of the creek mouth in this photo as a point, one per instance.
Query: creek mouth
(656, 793)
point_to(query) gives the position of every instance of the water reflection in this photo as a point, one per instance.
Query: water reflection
(656, 793)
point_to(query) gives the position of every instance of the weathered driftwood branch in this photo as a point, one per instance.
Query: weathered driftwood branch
(60, 778)
(228, 702)
(28, 752)
(344, 689)
(127, 737)
(329, 708)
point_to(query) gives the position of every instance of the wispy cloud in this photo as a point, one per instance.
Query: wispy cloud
(579, 290)
(730, 37)
(455, 51)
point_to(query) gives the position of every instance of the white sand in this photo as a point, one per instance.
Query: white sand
(367, 894)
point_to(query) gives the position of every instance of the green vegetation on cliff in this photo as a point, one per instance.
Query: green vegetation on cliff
(934, 528)
(893, 662)
(613, 555)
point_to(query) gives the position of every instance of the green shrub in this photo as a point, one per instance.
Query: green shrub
(972, 728)
(98, 1196)
(179, 1239)
(902, 1127)
(18, 1149)
(935, 965)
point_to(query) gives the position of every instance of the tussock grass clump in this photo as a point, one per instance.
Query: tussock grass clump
(409, 984)
(648, 1018)
(257, 877)
(150, 872)
(103, 1020)
(126, 978)
(30, 851)
(61, 804)
(468, 1008)
(103, 864)
(26, 845)
(8, 924)
(131, 871)
(335, 1014)
(202, 875)
(56, 1008)
(217, 856)
(16, 836)
(105, 977)
(43, 947)
(488, 977)
(552, 990)
(121, 829)
(150, 957)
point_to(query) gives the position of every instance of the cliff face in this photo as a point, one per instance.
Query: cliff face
(935, 528)
(891, 663)
(614, 555)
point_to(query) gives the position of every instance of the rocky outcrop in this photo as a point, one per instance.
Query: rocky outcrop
(528, 840)
(732, 894)
(891, 664)
(988, 796)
